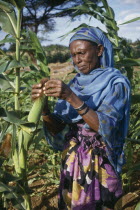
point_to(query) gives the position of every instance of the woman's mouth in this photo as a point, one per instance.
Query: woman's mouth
(81, 67)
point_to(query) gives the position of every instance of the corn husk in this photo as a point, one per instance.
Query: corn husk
(36, 110)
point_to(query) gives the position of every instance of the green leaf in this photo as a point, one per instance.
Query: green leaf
(6, 7)
(129, 62)
(8, 20)
(10, 117)
(135, 99)
(19, 200)
(4, 66)
(3, 131)
(39, 136)
(74, 30)
(4, 59)
(18, 3)
(2, 52)
(6, 177)
(6, 84)
(28, 127)
(8, 40)
(37, 47)
(27, 139)
(130, 21)
(137, 206)
(20, 141)
(40, 53)
(13, 138)
(133, 169)
(12, 64)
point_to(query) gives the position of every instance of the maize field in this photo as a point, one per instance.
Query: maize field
(29, 167)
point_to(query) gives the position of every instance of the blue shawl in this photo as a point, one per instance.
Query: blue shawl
(107, 92)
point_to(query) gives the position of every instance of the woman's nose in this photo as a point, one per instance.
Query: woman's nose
(78, 59)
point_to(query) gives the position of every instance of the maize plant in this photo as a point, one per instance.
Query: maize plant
(14, 119)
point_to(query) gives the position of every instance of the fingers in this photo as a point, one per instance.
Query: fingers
(36, 91)
(55, 92)
(52, 84)
(37, 86)
(53, 87)
(44, 80)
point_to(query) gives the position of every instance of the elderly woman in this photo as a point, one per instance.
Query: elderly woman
(89, 123)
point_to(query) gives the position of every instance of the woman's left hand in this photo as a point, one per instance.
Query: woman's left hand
(57, 88)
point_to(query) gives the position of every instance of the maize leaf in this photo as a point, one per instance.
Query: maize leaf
(27, 139)
(16, 162)
(22, 160)
(137, 206)
(36, 110)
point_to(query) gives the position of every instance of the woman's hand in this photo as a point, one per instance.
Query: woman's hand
(57, 88)
(37, 89)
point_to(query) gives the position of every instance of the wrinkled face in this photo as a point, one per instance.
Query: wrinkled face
(85, 55)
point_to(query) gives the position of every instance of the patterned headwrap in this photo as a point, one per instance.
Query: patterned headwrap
(97, 36)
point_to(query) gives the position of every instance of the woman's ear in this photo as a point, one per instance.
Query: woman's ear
(100, 49)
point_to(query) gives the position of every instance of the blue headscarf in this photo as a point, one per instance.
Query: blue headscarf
(97, 36)
(107, 92)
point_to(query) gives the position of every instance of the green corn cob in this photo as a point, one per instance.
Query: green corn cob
(36, 110)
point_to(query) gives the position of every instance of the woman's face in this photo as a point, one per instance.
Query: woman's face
(85, 55)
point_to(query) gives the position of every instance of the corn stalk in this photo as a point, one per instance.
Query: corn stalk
(17, 87)
(22, 132)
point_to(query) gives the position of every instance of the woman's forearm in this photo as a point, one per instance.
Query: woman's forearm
(91, 118)
(52, 125)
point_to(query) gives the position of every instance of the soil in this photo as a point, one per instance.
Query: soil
(47, 200)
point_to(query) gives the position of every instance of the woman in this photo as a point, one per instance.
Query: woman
(94, 110)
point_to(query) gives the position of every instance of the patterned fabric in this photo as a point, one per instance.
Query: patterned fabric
(96, 35)
(87, 178)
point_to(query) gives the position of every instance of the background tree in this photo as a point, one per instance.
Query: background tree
(39, 15)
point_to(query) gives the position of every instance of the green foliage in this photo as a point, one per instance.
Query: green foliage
(137, 206)
(8, 20)
(136, 49)
(130, 21)
(58, 57)
(13, 113)
(20, 4)
(57, 53)
(27, 66)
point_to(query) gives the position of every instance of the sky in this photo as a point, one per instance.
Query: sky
(124, 11)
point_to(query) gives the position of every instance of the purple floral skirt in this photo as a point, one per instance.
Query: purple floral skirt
(88, 180)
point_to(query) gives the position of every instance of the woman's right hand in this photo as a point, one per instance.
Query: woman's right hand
(37, 89)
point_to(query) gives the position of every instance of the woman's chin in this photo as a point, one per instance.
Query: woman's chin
(84, 71)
